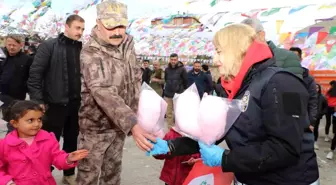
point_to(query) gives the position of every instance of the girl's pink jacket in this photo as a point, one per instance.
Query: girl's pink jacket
(30, 165)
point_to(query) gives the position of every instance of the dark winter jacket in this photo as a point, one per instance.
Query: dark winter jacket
(202, 81)
(175, 170)
(176, 80)
(286, 59)
(322, 107)
(14, 72)
(312, 104)
(49, 74)
(146, 74)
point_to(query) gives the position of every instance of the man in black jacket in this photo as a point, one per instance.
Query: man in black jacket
(14, 72)
(146, 72)
(176, 79)
(313, 94)
(54, 81)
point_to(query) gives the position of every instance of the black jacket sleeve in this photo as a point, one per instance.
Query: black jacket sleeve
(37, 71)
(284, 116)
(313, 102)
(324, 104)
(185, 79)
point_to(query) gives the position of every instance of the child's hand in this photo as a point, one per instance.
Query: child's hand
(77, 155)
(191, 161)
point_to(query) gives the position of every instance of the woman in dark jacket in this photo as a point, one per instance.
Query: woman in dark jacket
(268, 143)
(322, 109)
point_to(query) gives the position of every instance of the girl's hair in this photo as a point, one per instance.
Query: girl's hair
(319, 88)
(18, 108)
(332, 91)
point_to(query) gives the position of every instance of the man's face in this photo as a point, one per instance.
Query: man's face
(156, 65)
(197, 67)
(173, 61)
(75, 30)
(145, 64)
(13, 47)
(113, 36)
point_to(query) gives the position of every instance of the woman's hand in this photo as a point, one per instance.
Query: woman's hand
(159, 148)
(77, 155)
(211, 155)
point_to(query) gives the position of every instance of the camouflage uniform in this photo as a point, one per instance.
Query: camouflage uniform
(111, 81)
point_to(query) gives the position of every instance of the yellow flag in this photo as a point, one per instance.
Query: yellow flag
(279, 24)
(283, 37)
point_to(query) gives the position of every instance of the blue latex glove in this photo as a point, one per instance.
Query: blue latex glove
(160, 147)
(211, 155)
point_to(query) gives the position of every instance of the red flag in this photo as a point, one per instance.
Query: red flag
(202, 174)
(321, 36)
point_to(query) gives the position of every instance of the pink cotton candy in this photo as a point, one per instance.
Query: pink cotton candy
(212, 118)
(151, 111)
(186, 107)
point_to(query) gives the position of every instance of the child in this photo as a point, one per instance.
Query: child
(176, 169)
(322, 109)
(27, 153)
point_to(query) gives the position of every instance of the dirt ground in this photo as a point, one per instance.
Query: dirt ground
(142, 170)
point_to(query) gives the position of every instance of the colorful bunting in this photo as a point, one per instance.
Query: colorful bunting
(293, 10)
(332, 30)
(213, 3)
(270, 12)
(321, 36)
(312, 30)
(279, 24)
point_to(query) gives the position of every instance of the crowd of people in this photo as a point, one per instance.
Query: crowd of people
(89, 94)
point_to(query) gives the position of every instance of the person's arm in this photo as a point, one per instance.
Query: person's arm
(59, 157)
(37, 71)
(209, 83)
(284, 109)
(162, 80)
(324, 105)
(98, 79)
(185, 79)
(312, 104)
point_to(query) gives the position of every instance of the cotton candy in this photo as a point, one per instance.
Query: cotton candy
(151, 111)
(212, 118)
(186, 107)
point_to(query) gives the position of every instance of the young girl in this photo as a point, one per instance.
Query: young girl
(176, 168)
(27, 153)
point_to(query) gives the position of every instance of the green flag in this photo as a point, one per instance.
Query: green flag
(213, 3)
(270, 12)
(332, 30)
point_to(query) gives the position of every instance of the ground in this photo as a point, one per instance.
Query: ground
(142, 170)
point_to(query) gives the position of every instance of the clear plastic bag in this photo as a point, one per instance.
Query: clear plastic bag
(216, 116)
(151, 111)
(2, 55)
(186, 107)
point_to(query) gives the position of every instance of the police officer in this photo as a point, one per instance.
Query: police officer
(268, 145)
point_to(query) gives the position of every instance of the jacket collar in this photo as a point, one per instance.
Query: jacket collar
(13, 139)
(66, 40)
(271, 45)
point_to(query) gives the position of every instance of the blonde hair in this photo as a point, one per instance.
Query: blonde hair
(231, 44)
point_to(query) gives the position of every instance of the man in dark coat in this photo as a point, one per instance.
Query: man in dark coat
(176, 79)
(54, 81)
(14, 72)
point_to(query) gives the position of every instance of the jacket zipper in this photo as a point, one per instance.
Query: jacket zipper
(175, 178)
(102, 67)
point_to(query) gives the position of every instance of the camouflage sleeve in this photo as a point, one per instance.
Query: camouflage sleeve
(137, 81)
(106, 95)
